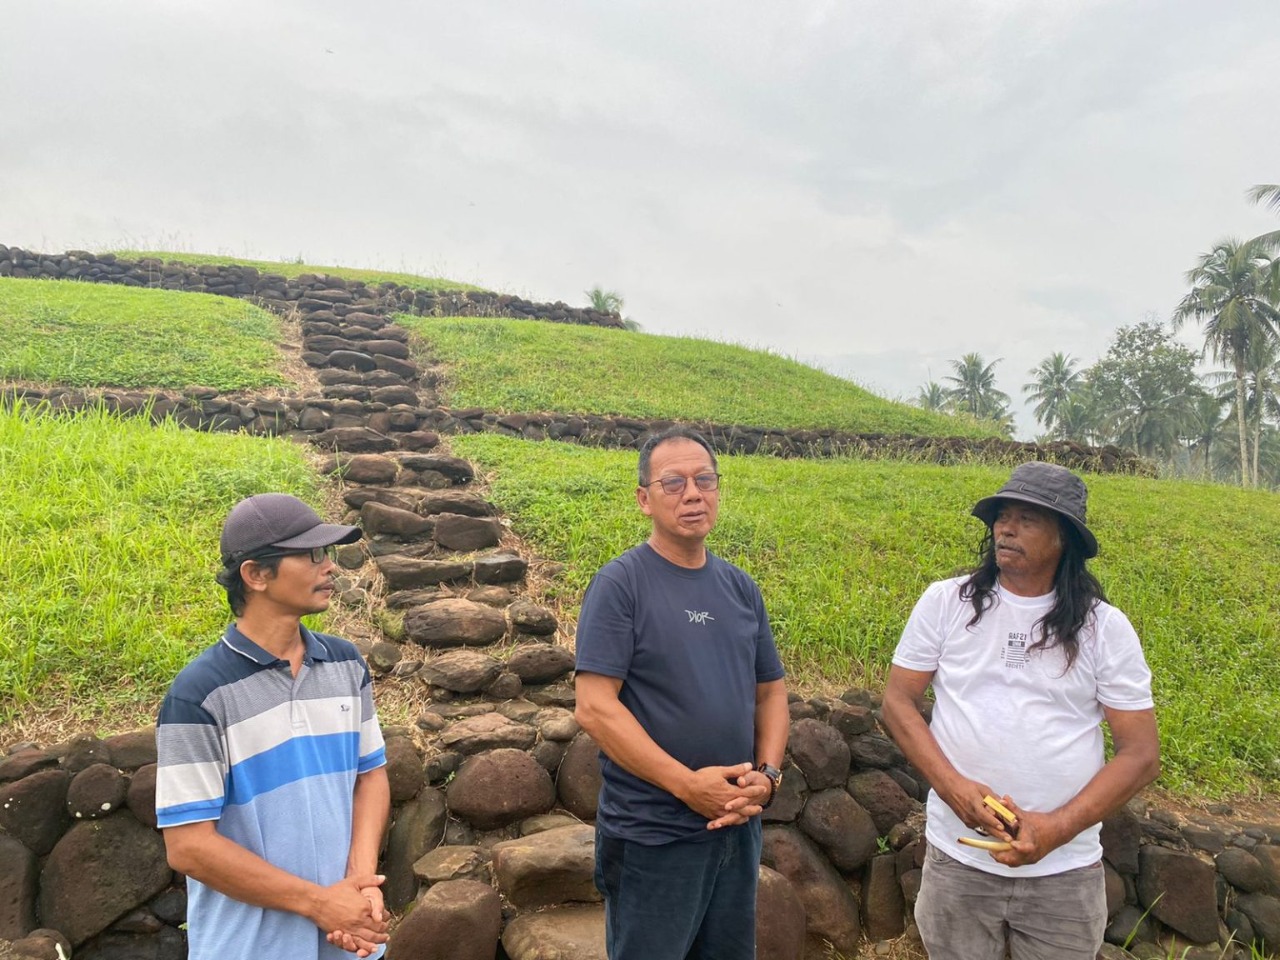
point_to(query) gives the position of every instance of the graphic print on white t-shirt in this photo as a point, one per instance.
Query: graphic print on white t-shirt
(1015, 651)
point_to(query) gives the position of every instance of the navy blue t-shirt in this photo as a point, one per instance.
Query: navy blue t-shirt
(690, 646)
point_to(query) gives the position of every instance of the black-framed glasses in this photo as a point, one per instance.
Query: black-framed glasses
(316, 554)
(671, 486)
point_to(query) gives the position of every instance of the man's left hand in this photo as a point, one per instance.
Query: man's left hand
(1038, 835)
(361, 948)
(741, 809)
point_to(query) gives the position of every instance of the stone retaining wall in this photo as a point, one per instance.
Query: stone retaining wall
(360, 417)
(490, 839)
(494, 786)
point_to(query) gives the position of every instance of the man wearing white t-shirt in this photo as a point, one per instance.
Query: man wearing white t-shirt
(1026, 659)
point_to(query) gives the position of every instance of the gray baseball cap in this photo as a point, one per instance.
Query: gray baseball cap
(278, 521)
(1045, 485)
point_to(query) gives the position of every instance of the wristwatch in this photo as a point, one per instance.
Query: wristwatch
(775, 781)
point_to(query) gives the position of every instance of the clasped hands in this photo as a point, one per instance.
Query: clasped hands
(354, 914)
(726, 796)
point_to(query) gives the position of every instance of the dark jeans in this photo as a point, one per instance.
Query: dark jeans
(686, 900)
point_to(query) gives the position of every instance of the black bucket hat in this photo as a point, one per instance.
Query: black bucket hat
(1045, 485)
(277, 521)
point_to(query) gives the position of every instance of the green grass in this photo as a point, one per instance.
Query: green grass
(85, 334)
(529, 365)
(292, 269)
(842, 550)
(109, 538)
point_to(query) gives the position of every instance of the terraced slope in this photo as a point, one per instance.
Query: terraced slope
(83, 334)
(526, 366)
(843, 547)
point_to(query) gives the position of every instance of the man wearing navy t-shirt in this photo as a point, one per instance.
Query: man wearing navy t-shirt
(679, 683)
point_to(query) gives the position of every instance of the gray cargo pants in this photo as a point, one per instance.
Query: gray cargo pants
(966, 914)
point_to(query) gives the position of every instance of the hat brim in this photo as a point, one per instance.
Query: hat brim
(987, 508)
(321, 535)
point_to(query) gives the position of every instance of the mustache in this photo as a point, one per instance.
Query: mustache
(1006, 545)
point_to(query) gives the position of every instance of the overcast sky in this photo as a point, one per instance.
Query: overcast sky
(876, 188)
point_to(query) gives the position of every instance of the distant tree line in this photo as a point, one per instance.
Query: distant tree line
(1144, 392)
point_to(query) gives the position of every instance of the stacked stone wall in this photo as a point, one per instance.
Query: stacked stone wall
(275, 291)
(490, 839)
(358, 418)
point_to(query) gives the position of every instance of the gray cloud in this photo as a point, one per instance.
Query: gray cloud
(878, 187)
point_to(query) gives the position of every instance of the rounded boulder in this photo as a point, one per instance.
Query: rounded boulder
(500, 787)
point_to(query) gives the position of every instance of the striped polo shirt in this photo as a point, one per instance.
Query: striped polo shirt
(273, 758)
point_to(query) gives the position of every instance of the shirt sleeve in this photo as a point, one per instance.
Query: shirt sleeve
(373, 749)
(768, 663)
(605, 638)
(191, 771)
(920, 647)
(1124, 679)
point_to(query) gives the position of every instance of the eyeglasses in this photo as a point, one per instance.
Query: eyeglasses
(317, 554)
(706, 482)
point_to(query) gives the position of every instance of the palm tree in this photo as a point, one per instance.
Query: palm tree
(1234, 293)
(1264, 404)
(1055, 379)
(1267, 194)
(1204, 426)
(1077, 420)
(606, 301)
(932, 397)
(1152, 423)
(975, 388)
(1262, 401)
(1268, 461)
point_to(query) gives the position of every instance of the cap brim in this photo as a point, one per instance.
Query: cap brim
(323, 535)
(987, 508)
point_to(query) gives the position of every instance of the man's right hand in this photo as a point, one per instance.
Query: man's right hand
(965, 797)
(709, 790)
(347, 916)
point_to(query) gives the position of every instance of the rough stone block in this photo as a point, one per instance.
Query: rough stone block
(98, 871)
(547, 868)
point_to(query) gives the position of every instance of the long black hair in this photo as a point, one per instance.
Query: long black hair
(1076, 593)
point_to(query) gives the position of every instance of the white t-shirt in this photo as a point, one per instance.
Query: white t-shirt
(1015, 720)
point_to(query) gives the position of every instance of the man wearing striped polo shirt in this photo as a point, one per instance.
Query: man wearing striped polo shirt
(272, 791)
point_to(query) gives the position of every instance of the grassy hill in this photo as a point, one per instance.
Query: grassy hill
(108, 528)
(289, 268)
(843, 549)
(527, 365)
(109, 533)
(88, 334)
